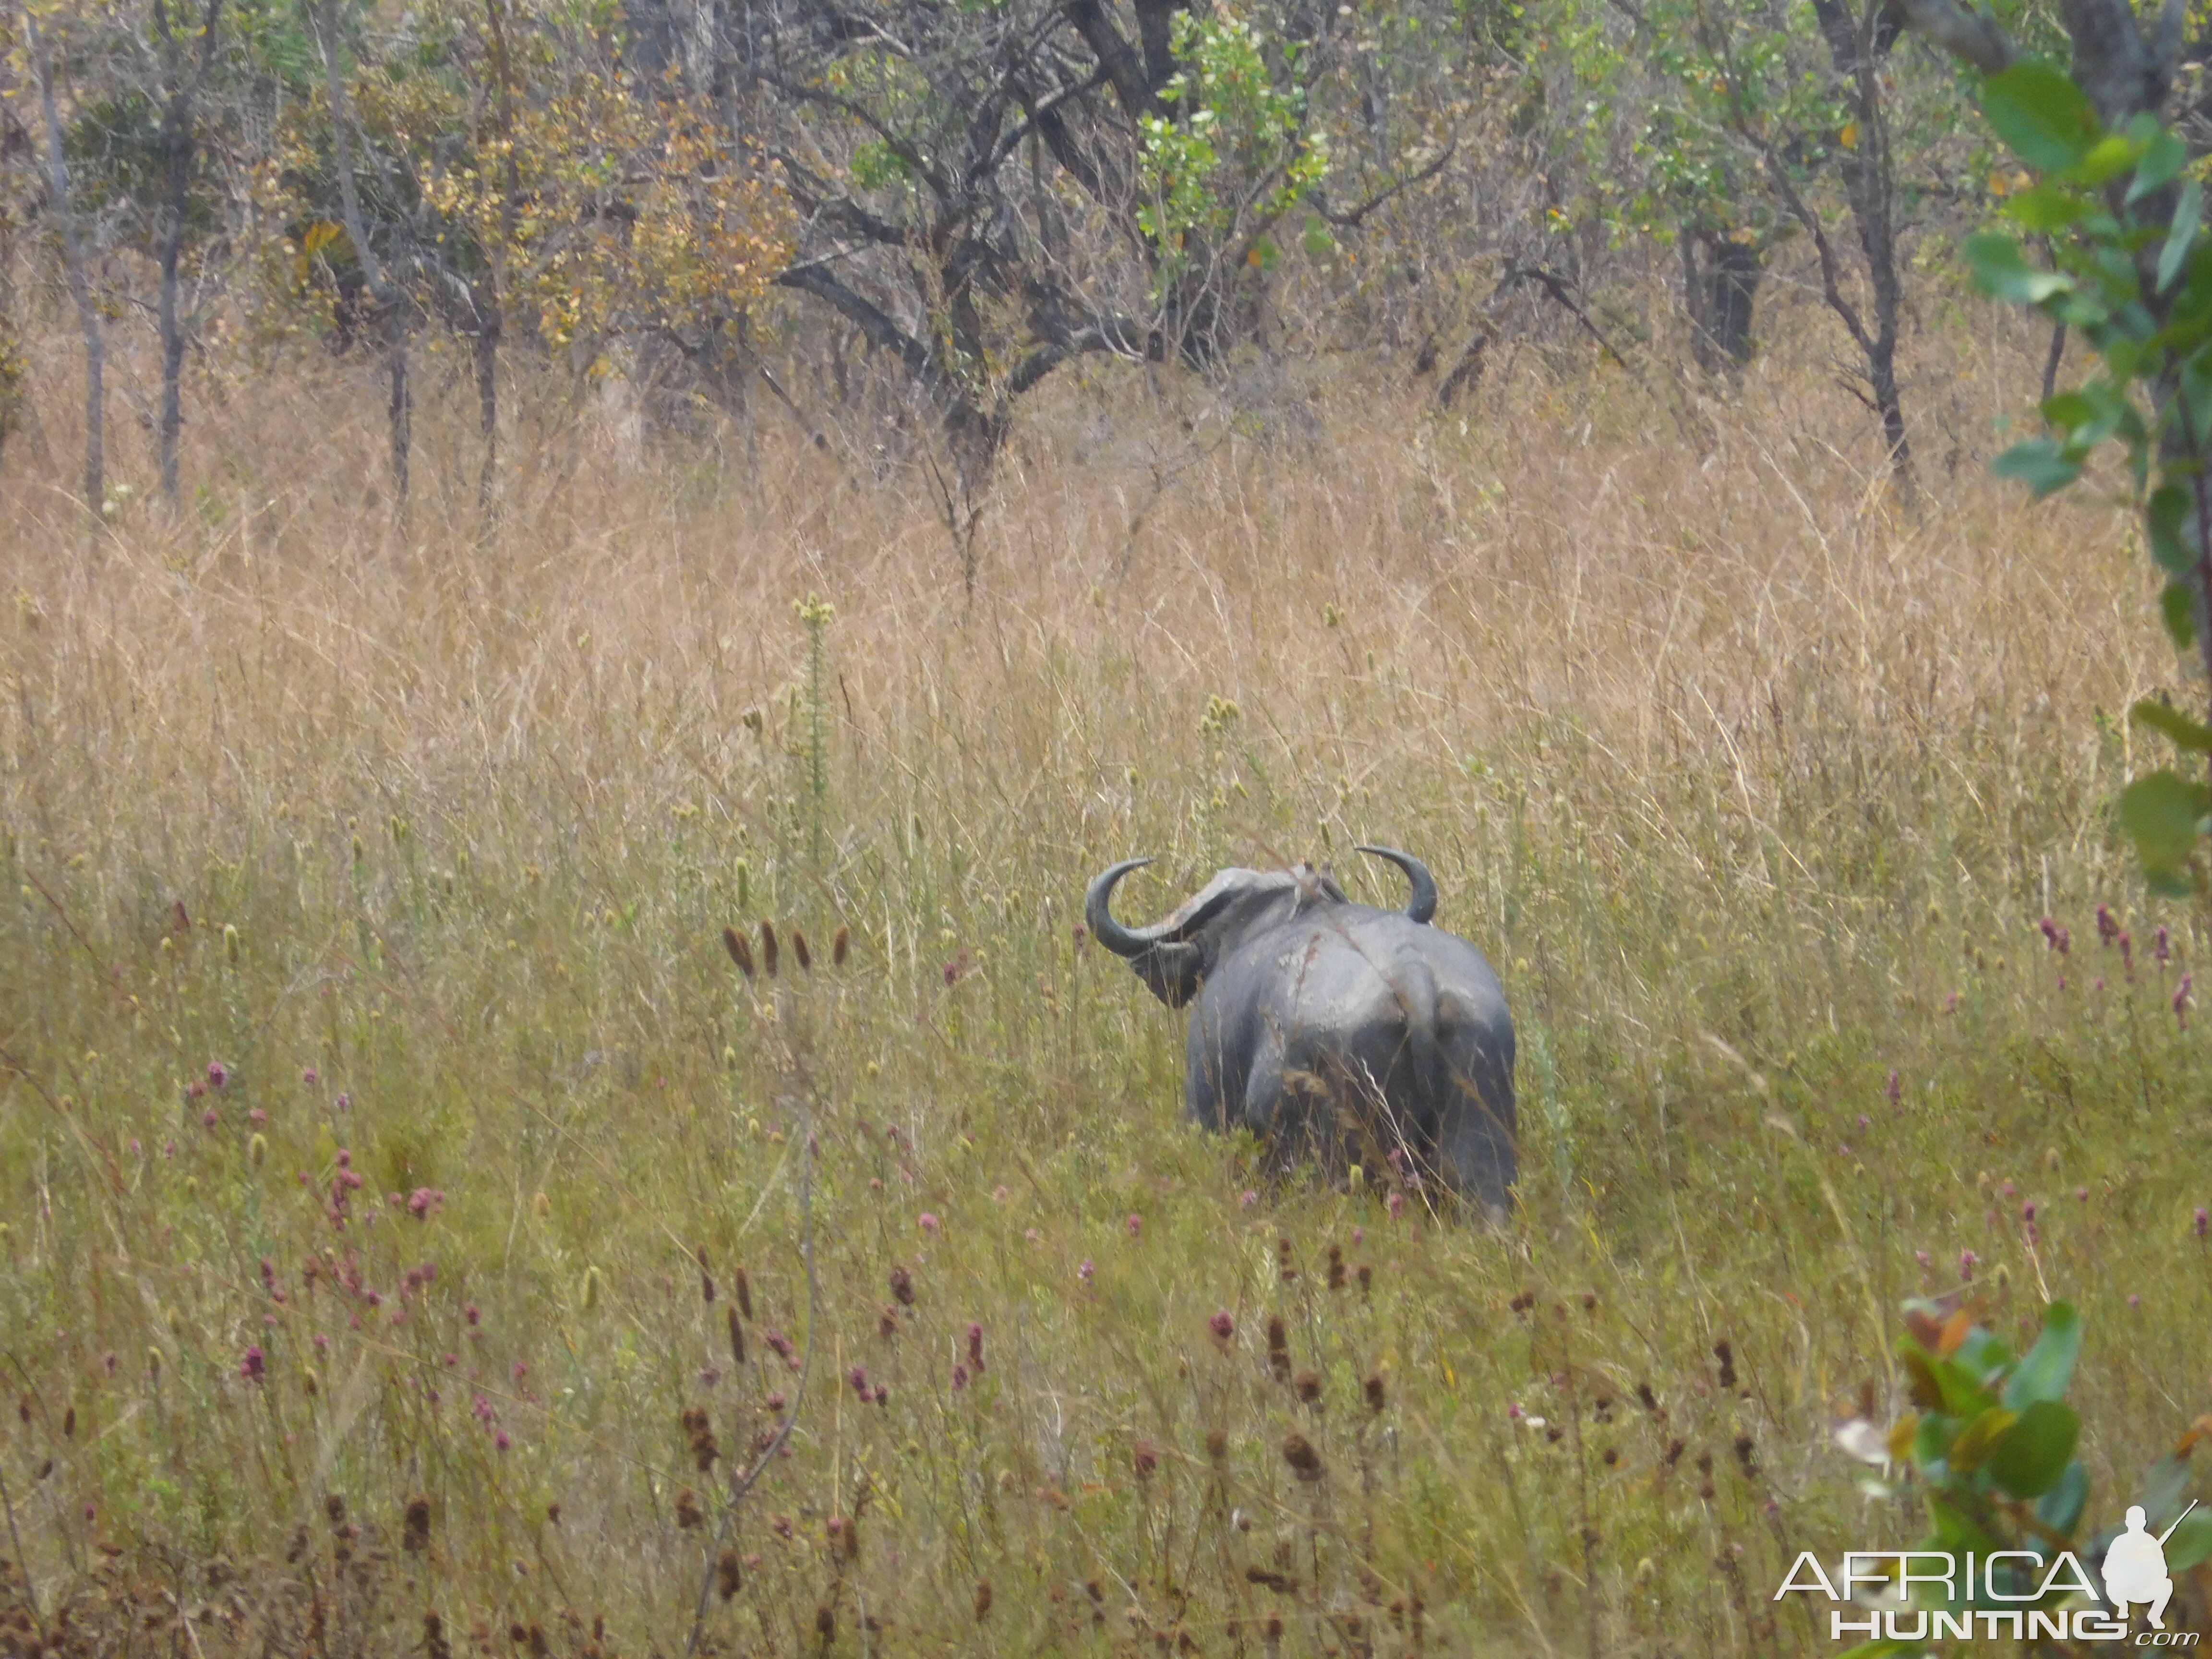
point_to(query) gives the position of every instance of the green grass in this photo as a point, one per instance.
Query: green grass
(1754, 795)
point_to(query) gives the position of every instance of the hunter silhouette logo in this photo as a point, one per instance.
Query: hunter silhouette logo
(1899, 1600)
(2135, 1568)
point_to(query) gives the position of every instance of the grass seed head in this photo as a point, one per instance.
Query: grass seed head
(415, 1526)
(728, 1581)
(767, 952)
(1305, 1460)
(740, 952)
(688, 1515)
(841, 945)
(799, 950)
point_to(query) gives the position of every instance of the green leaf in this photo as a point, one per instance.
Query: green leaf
(1980, 1353)
(2108, 158)
(1979, 1438)
(1963, 1396)
(2068, 410)
(2163, 155)
(2039, 464)
(2188, 211)
(2046, 207)
(1957, 1530)
(2036, 1451)
(2002, 272)
(2189, 733)
(2177, 605)
(2047, 1367)
(2190, 1542)
(1931, 1441)
(2167, 518)
(2060, 1509)
(2163, 1486)
(2162, 814)
(2041, 114)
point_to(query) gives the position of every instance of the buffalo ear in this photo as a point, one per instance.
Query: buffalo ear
(1174, 972)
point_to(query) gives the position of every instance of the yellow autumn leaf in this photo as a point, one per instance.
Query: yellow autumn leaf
(1849, 137)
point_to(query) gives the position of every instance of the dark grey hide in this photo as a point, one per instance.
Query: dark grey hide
(1334, 1030)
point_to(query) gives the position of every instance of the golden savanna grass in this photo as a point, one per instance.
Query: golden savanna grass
(1754, 783)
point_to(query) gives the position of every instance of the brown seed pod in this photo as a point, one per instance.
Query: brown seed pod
(1279, 1348)
(1305, 1460)
(434, 1645)
(415, 1526)
(1217, 1446)
(744, 1291)
(1308, 1384)
(841, 945)
(726, 1581)
(737, 1338)
(768, 948)
(1336, 1275)
(982, 1600)
(1373, 1388)
(798, 949)
(740, 952)
(688, 1512)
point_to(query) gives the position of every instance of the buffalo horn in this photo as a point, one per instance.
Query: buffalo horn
(1122, 941)
(1423, 903)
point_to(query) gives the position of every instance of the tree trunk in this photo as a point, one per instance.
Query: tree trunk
(403, 401)
(95, 345)
(487, 363)
(1870, 190)
(177, 146)
(386, 296)
(1720, 281)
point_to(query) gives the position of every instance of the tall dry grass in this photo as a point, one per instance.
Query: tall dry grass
(1754, 783)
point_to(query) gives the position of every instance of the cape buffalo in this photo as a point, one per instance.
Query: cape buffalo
(1332, 1030)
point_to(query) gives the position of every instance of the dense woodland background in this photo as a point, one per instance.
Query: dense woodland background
(890, 223)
